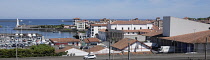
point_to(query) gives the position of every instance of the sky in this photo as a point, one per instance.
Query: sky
(97, 9)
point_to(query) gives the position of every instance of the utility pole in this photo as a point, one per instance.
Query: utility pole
(128, 51)
(206, 47)
(109, 45)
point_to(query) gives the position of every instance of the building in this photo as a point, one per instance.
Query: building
(133, 28)
(94, 28)
(100, 50)
(72, 51)
(185, 35)
(75, 21)
(177, 26)
(65, 41)
(158, 23)
(92, 41)
(135, 45)
(130, 25)
(80, 25)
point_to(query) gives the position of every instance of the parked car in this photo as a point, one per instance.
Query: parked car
(90, 57)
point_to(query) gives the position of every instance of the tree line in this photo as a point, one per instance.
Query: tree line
(199, 18)
(33, 51)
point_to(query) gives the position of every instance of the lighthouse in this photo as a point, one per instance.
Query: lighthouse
(17, 23)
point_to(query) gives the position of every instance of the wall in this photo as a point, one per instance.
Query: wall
(140, 48)
(176, 26)
(77, 52)
(105, 51)
(131, 26)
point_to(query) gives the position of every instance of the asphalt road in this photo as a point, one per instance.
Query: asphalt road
(124, 57)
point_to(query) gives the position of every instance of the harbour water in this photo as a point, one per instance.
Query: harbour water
(9, 24)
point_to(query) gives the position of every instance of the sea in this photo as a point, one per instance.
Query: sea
(9, 24)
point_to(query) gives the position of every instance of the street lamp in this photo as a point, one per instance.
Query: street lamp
(128, 49)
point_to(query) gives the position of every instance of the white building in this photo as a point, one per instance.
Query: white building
(75, 21)
(72, 51)
(130, 25)
(80, 25)
(135, 46)
(133, 28)
(177, 26)
(94, 28)
(185, 35)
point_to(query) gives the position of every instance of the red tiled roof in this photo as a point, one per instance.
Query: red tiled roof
(197, 37)
(95, 48)
(76, 18)
(63, 50)
(88, 40)
(103, 30)
(124, 43)
(98, 24)
(64, 40)
(153, 33)
(131, 22)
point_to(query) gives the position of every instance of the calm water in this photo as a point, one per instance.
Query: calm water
(8, 27)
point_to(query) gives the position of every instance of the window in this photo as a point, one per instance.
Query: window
(128, 33)
(148, 27)
(92, 29)
(122, 28)
(133, 32)
(128, 28)
(115, 28)
(134, 28)
(140, 28)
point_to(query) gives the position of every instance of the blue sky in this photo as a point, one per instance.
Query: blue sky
(96, 9)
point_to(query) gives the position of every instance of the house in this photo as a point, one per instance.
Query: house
(65, 41)
(80, 25)
(66, 26)
(94, 28)
(185, 35)
(100, 50)
(135, 46)
(92, 41)
(75, 21)
(72, 51)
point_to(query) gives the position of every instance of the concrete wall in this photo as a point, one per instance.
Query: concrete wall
(138, 47)
(105, 51)
(176, 26)
(77, 52)
(139, 37)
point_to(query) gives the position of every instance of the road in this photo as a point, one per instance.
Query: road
(124, 57)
